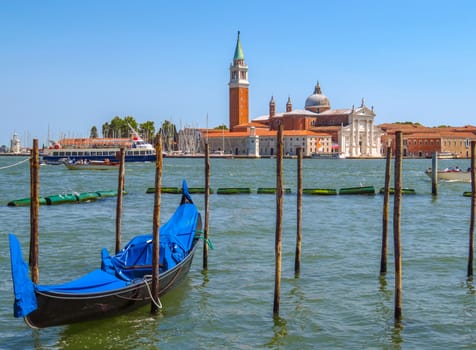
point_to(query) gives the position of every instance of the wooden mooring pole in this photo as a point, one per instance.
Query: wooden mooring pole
(34, 210)
(279, 218)
(434, 174)
(207, 205)
(473, 208)
(120, 194)
(396, 225)
(154, 305)
(297, 259)
(383, 258)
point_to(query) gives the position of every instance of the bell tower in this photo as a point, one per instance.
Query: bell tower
(239, 110)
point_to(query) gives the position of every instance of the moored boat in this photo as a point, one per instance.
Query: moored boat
(122, 284)
(451, 174)
(92, 165)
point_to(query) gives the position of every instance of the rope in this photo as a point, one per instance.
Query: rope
(207, 241)
(12, 165)
(156, 303)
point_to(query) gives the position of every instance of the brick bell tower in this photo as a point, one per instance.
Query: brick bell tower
(238, 84)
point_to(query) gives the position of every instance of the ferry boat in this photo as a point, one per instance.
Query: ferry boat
(99, 149)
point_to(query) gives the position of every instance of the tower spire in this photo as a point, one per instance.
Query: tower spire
(239, 56)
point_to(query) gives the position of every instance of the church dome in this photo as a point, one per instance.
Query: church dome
(317, 102)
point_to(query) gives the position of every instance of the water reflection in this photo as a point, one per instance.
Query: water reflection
(393, 327)
(280, 331)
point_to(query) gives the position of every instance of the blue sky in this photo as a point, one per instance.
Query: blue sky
(69, 65)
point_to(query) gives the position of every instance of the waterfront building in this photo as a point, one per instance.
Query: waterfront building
(421, 142)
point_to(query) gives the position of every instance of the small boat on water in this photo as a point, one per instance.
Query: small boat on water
(451, 174)
(121, 284)
(85, 164)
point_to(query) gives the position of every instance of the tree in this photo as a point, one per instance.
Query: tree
(169, 135)
(105, 129)
(94, 133)
(128, 123)
(147, 130)
(221, 127)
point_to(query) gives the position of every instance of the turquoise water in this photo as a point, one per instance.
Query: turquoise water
(337, 301)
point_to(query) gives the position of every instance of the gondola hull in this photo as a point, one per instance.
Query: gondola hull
(56, 309)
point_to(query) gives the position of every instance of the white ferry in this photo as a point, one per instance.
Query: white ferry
(137, 150)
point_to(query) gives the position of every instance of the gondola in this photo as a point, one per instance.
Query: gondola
(123, 283)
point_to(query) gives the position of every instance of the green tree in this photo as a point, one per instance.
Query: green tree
(147, 130)
(105, 129)
(94, 133)
(128, 123)
(221, 127)
(169, 136)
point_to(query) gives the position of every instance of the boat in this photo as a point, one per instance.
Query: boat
(85, 164)
(358, 190)
(121, 284)
(136, 149)
(451, 174)
(444, 155)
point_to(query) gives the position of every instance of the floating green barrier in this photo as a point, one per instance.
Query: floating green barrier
(108, 193)
(61, 199)
(320, 191)
(192, 190)
(23, 202)
(173, 190)
(234, 190)
(358, 190)
(468, 193)
(87, 196)
(66, 198)
(392, 190)
(271, 190)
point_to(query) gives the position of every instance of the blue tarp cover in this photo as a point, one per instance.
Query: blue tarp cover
(134, 261)
(176, 237)
(25, 300)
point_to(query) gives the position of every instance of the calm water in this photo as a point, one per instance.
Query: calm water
(338, 301)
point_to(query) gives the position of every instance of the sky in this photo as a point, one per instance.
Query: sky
(66, 66)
